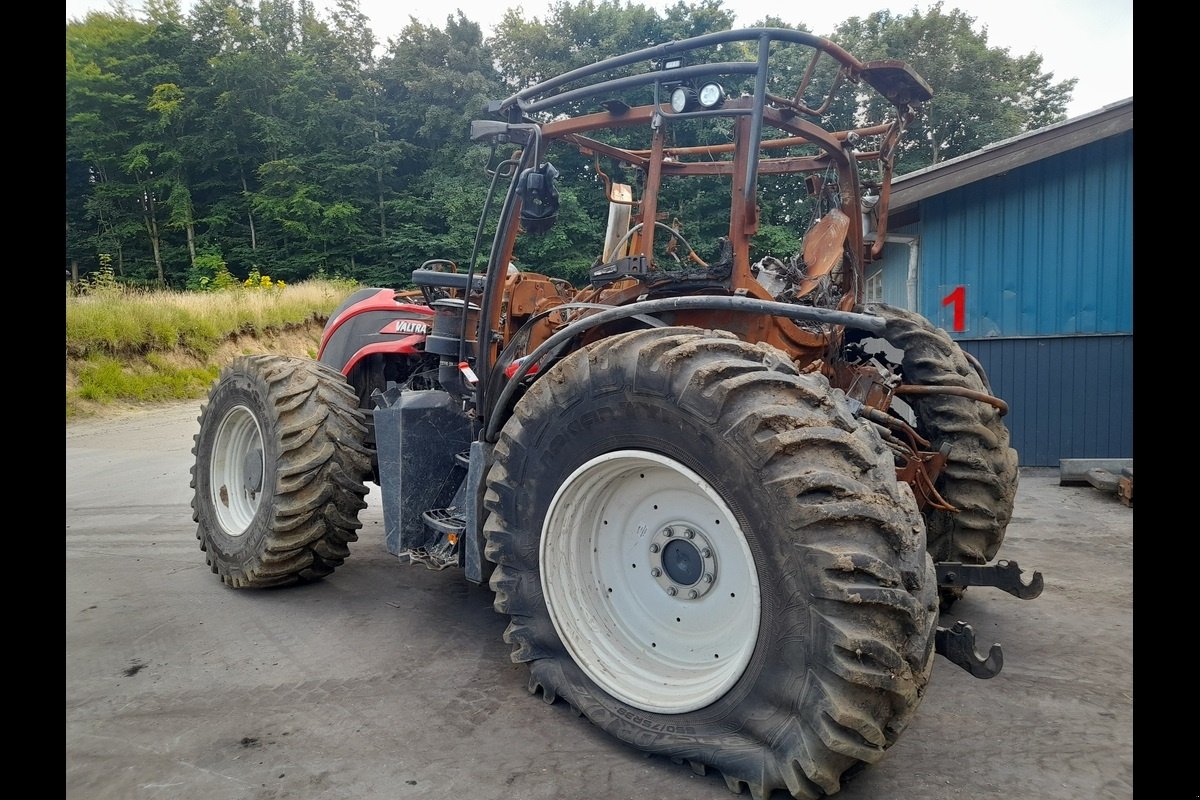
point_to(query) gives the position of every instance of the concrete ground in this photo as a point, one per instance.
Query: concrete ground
(392, 681)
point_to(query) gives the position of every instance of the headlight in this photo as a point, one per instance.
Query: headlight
(682, 99)
(711, 95)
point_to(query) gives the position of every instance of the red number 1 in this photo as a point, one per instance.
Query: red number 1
(959, 298)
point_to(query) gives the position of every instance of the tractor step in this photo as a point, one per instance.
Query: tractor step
(463, 458)
(445, 520)
(447, 526)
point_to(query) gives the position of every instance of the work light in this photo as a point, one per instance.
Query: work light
(711, 95)
(683, 99)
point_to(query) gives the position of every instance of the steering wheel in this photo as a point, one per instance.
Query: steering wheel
(691, 251)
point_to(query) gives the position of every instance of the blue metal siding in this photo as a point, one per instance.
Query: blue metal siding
(1043, 250)
(1068, 396)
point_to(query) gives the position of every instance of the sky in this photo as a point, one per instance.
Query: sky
(1091, 40)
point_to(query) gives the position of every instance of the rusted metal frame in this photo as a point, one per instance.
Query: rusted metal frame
(862, 383)
(649, 207)
(827, 141)
(845, 72)
(855, 278)
(896, 424)
(847, 171)
(920, 472)
(512, 163)
(743, 215)
(727, 167)
(803, 108)
(769, 166)
(671, 305)
(797, 101)
(887, 160)
(561, 128)
(586, 144)
(921, 468)
(959, 391)
(608, 193)
(766, 144)
(723, 111)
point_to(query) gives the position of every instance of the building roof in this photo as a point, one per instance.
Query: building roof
(1002, 156)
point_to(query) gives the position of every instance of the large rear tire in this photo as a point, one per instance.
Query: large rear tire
(981, 474)
(709, 556)
(278, 473)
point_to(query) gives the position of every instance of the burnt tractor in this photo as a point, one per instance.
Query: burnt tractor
(720, 499)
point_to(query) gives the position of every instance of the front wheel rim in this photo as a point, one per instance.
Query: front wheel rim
(237, 471)
(650, 581)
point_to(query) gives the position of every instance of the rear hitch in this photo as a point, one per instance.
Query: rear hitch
(1004, 575)
(958, 645)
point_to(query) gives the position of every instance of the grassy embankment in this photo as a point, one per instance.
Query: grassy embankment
(127, 349)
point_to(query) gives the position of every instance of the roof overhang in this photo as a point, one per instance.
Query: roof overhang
(1002, 156)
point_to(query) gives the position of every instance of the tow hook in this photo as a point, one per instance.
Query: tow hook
(958, 645)
(1005, 575)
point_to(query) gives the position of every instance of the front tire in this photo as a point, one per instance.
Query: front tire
(278, 472)
(807, 652)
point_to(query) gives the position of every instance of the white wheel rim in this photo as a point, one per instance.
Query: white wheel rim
(657, 651)
(236, 474)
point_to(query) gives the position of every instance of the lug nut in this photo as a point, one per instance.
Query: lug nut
(706, 553)
(693, 594)
(708, 578)
(654, 548)
(655, 571)
(668, 532)
(671, 590)
(689, 534)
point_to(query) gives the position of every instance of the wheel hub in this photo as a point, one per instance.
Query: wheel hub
(252, 465)
(683, 561)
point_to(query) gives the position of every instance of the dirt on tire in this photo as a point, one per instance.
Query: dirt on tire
(848, 591)
(306, 432)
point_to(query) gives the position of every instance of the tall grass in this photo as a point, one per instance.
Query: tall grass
(104, 379)
(136, 347)
(128, 322)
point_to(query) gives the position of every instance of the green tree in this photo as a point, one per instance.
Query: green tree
(247, 60)
(981, 94)
(431, 183)
(104, 51)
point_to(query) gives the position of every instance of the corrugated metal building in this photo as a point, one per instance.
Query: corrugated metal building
(1023, 251)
